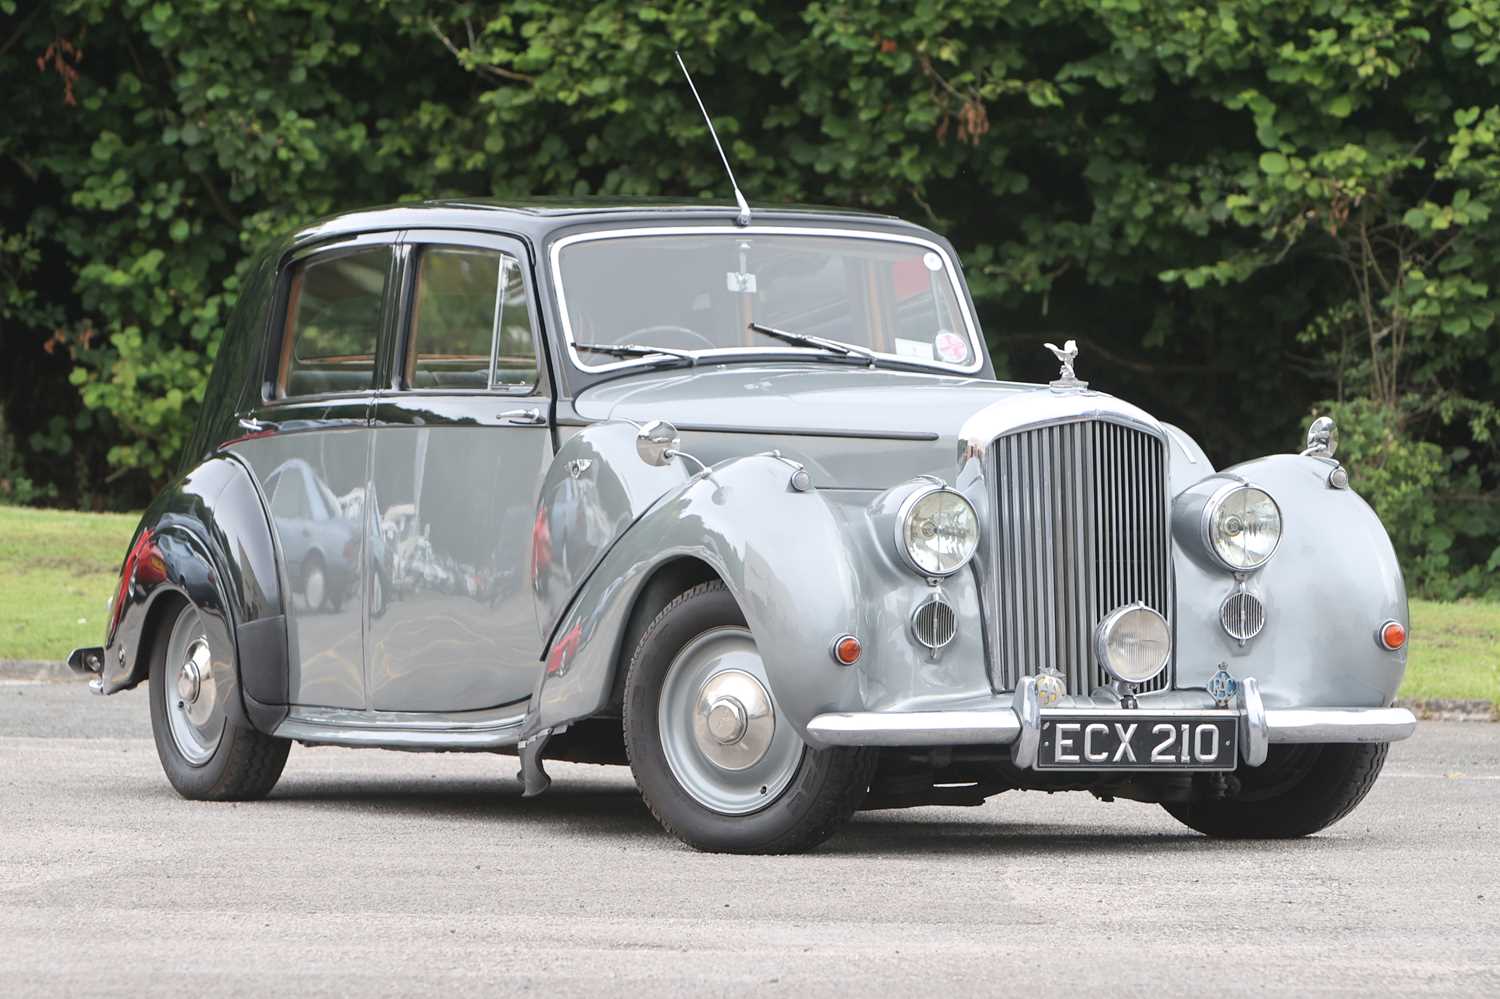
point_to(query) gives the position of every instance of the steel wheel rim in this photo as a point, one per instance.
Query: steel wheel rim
(194, 690)
(315, 587)
(731, 760)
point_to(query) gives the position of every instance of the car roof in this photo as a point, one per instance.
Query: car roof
(537, 218)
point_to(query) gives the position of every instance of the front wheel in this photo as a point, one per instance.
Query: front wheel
(204, 756)
(1298, 791)
(718, 765)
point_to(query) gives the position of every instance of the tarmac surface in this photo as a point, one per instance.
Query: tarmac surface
(371, 873)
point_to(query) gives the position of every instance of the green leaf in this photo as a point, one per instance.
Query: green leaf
(1274, 163)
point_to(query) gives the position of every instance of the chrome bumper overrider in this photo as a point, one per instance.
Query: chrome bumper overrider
(1019, 725)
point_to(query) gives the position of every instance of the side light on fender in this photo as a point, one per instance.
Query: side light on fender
(846, 650)
(1392, 636)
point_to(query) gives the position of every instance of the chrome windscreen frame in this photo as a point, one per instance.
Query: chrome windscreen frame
(971, 327)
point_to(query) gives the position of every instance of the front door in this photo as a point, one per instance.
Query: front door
(461, 443)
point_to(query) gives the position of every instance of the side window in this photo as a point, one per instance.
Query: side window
(470, 322)
(332, 323)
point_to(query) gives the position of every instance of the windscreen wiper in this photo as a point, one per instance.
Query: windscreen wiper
(838, 347)
(636, 350)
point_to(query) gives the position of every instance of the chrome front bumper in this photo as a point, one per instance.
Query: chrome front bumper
(1018, 725)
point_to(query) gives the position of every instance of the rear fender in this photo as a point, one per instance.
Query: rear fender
(207, 540)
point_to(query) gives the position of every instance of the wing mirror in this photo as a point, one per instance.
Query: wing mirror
(657, 442)
(1322, 438)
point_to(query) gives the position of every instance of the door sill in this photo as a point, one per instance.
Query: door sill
(472, 731)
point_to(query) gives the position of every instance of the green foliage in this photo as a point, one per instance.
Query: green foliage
(1239, 209)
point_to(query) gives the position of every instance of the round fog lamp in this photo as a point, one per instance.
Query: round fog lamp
(1133, 644)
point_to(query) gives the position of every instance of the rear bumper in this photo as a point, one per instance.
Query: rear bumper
(1018, 725)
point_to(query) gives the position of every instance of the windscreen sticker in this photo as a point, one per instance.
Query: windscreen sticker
(933, 261)
(914, 348)
(740, 281)
(951, 347)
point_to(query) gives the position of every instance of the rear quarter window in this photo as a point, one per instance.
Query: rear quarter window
(333, 313)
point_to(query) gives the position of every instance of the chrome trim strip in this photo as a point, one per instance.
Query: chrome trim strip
(1302, 725)
(914, 728)
(555, 254)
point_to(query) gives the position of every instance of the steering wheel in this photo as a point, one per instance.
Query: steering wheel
(643, 336)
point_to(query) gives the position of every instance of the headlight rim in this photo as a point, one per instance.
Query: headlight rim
(1211, 507)
(904, 511)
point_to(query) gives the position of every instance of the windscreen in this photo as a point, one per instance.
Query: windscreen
(700, 292)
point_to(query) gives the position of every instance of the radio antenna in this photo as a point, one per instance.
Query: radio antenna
(743, 218)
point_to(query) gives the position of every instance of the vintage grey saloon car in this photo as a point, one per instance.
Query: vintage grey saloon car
(741, 503)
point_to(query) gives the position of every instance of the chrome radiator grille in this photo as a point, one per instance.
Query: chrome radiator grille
(1080, 523)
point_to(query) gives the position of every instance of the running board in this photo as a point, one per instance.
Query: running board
(483, 731)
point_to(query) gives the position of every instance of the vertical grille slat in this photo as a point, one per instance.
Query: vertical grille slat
(1080, 522)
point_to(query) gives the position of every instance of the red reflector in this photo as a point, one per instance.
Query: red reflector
(1393, 635)
(846, 650)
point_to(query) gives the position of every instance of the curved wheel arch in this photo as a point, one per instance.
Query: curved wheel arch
(212, 511)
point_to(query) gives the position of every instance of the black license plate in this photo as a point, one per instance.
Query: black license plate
(1129, 740)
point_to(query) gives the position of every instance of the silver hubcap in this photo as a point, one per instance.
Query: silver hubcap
(195, 708)
(313, 590)
(719, 728)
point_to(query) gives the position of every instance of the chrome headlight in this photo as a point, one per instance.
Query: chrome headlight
(1242, 526)
(936, 531)
(1134, 643)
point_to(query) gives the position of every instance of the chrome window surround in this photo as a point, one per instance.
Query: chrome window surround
(555, 254)
(916, 496)
(1207, 531)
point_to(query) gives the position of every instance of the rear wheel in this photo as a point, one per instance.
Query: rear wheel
(315, 583)
(716, 762)
(1298, 791)
(203, 754)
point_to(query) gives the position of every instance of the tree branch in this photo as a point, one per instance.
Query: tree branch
(500, 72)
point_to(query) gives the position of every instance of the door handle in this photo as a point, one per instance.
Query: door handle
(530, 417)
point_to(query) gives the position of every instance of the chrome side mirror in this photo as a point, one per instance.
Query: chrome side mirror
(657, 442)
(1322, 438)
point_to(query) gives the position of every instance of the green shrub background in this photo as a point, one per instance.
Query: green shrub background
(1247, 212)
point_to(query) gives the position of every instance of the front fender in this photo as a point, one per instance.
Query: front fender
(596, 487)
(206, 539)
(781, 553)
(1332, 582)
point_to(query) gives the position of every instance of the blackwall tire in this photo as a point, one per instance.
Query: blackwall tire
(807, 793)
(205, 755)
(1298, 791)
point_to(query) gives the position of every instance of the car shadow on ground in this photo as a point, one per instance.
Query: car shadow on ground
(612, 808)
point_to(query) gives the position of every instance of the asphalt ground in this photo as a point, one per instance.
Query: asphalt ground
(373, 873)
